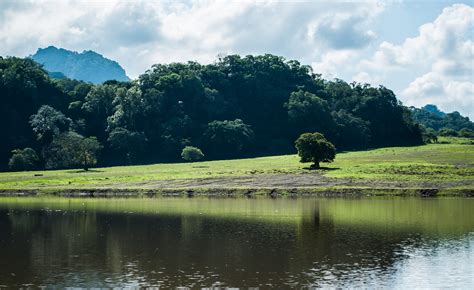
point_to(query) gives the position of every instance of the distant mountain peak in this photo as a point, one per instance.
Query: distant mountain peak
(88, 65)
(433, 109)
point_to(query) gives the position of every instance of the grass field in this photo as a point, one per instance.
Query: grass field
(447, 166)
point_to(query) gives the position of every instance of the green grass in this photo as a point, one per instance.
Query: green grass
(434, 163)
(455, 140)
(135, 175)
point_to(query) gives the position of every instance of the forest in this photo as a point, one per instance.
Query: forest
(235, 107)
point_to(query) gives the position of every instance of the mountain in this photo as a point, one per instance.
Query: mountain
(433, 109)
(87, 66)
(432, 117)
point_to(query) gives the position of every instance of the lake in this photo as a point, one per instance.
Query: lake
(235, 242)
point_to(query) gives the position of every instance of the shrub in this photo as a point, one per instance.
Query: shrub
(192, 154)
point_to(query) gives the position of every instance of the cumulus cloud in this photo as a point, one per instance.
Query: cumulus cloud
(343, 31)
(333, 62)
(451, 95)
(443, 54)
(339, 39)
(141, 33)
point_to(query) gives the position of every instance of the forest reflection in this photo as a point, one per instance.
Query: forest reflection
(316, 243)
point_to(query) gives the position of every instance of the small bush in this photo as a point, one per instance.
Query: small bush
(192, 154)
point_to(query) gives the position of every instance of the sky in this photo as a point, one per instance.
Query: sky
(422, 50)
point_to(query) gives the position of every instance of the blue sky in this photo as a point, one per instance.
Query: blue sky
(423, 50)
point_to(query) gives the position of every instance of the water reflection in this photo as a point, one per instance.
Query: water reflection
(238, 243)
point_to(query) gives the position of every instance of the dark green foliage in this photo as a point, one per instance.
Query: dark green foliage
(429, 135)
(307, 112)
(313, 147)
(225, 139)
(235, 107)
(390, 123)
(130, 146)
(48, 123)
(466, 132)
(351, 132)
(431, 117)
(23, 159)
(447, 132)
(192, 154)
(24, 88)
(70, 150)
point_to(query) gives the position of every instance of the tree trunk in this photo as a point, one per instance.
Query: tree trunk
(86, 167)
(315, 165)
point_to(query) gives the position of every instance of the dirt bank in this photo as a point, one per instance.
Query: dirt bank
(263, 184)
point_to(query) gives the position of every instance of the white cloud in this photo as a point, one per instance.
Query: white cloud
(141, 33)
(343, 30)
(338, 38)
(333, 62)
(439, 58)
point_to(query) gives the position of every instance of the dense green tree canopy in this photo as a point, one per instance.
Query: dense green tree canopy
(313, 147)
(228, 138)
(129, 145)
(466, 132)
(307, 112)
(448, 132)
(48, 123)
(235, 107)
(23, 159)
(431, 117)
(70, 150)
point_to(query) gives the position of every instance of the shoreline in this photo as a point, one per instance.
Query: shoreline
(240, 192)
(427, 171)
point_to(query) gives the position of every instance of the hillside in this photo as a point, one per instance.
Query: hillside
(431, 117)
(86, 66)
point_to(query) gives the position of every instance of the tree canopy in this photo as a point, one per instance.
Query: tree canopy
(235, 107)
(70, 150)
(313, 147)
(23, 159)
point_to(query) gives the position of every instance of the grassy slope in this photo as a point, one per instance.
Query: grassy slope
(438, 163)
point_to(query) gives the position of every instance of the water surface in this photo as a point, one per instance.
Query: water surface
(266, 243)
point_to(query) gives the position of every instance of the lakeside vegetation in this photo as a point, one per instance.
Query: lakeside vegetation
(443, 166)
(236, 107)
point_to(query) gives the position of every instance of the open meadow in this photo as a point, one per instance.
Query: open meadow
(447, 168)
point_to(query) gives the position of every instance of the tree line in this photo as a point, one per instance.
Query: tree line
(235, 107)
(437, 123)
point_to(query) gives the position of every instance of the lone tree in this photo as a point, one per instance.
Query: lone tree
(313, 147)
(191, 154)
